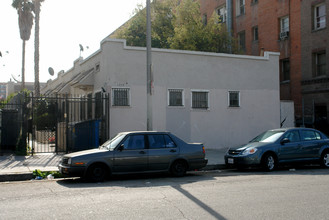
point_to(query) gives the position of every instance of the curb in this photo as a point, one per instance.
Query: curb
(16, 177)
(29, 176)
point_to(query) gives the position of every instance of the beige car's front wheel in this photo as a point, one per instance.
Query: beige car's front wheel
(97, 173)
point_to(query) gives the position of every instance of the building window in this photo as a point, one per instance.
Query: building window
(240, 7)
(254, 1)
(319, 16)
(255, 33)
(234, 99)
(285, 69)
(97, 67)
(221, 12)
(242, 40)
(120, 96)
(284, 24)
(175, 97)
(319, 63)
(284, 28)
(204, 19)
(200, 99)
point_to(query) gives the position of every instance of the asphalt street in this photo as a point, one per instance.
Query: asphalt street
(300, 193)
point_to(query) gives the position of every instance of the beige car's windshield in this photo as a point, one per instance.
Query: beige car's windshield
(111, 144)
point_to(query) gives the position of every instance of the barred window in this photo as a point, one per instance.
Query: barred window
(120, 96)
(200, 99)
(175, 97)
(234, 99)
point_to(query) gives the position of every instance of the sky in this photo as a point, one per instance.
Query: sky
(64, 24)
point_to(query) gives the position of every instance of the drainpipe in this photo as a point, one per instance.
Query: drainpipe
(229, 22)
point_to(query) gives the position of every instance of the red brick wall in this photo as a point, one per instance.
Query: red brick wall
(266, 15)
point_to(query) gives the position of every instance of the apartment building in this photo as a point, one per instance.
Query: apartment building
(314, 63)
(3, 93)
(296, 29)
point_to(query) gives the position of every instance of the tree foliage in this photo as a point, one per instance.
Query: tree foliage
(25, 17)
(178, 25)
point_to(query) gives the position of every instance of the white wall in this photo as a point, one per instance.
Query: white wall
(219, 126)
(257, 79)
(287, 110)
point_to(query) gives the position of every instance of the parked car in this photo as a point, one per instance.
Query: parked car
(135, 152)
(281, 146)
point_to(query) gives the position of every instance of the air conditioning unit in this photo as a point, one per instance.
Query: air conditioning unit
(284, 35)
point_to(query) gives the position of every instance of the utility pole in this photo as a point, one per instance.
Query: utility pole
(149, 77)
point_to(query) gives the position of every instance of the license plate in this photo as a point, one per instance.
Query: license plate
(230, 160)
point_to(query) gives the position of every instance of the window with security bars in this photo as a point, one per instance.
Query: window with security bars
(234, 99)
(200, 99)
(120, 97)
(175, 97)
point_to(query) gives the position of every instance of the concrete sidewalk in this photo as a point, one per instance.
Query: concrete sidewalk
(14, 168)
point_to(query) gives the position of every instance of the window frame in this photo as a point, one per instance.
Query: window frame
(316, 66)
(240, 7)
(316, 17)
(175, 90)
(127, 138)
(283, 26)
(238, 99)
(255, 33)
(166, 144)
(114, 104)
(220, 15)
(207, 101)
(304, 137)
(242, 45)
(284, 73)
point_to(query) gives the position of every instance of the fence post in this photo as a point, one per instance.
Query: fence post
(66, 115)
(33, 125)
(56, 125)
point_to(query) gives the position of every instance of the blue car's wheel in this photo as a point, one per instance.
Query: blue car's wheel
(325, 159)
(269, 162)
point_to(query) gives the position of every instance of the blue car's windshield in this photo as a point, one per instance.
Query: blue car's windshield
(268, 136)
(111, 144)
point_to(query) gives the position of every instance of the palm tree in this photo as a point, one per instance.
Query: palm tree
(37, 6)
(25, 22)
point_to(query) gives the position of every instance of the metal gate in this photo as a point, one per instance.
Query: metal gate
(54, 124)
(67, 123)
(11, 118)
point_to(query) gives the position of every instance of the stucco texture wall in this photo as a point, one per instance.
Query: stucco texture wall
(219, 126)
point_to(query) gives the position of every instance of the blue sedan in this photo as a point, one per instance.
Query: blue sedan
(281, 146)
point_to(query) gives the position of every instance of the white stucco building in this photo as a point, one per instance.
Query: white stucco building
(221, 100)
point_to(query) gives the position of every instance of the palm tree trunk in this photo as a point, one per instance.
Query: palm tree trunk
(23, 66)
(36, 49)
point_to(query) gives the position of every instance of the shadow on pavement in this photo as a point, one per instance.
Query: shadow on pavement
(138, 180)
